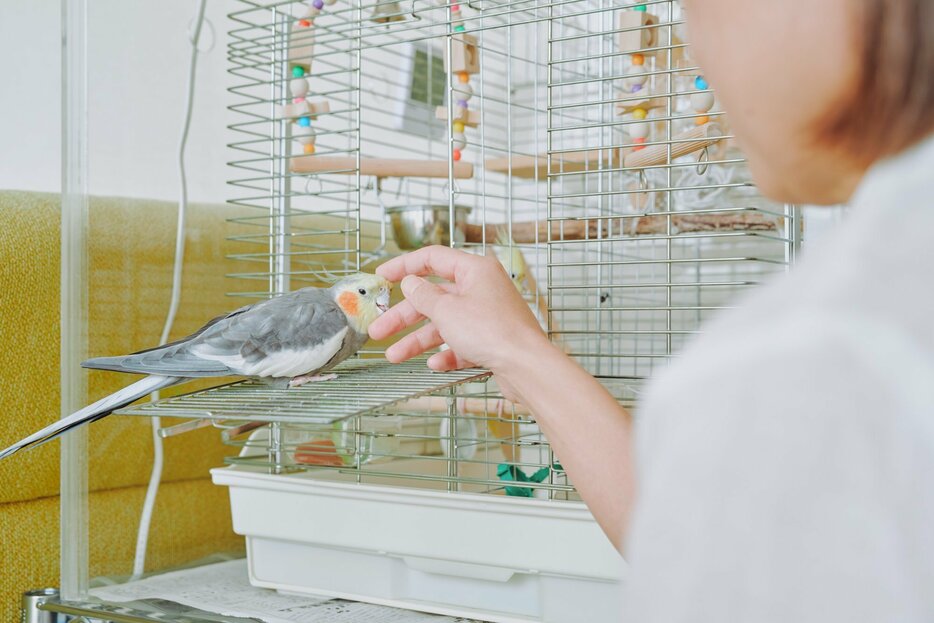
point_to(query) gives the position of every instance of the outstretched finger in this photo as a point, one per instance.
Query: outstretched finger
(415, 343)
(399, 317)
(444, 262)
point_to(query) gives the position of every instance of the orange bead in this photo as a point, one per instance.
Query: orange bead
(464, 77)
(309, 149)
(701, 120)
(639, 143)
(638, 59)
(456, 154)
(304, 23)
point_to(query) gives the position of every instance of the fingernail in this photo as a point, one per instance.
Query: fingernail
(409, 284)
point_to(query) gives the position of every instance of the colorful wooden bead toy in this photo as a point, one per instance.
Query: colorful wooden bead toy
(701, 101)
(301, 47)
(463, 61)
(634, 37)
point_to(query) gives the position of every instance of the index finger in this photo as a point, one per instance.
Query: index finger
(444, 262)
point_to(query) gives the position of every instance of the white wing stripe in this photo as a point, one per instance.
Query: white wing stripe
(285, 363)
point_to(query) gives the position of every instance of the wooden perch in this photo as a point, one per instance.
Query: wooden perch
(536, 167)
(380, 167)
(529, 232)
(682, 144)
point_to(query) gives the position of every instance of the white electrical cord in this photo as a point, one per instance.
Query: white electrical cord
(145, 520)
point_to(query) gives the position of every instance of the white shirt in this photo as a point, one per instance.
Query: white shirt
(786, 461)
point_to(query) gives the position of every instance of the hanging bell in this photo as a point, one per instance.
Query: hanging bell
(387, 11)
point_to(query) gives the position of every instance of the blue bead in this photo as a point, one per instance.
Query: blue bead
(304, 121)
(700, 84)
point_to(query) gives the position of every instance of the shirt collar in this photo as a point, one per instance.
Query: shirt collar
(910, 171)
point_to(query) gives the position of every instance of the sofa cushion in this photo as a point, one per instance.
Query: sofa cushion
(131, 244)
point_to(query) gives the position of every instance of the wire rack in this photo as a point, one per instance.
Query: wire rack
(577, 140)
(361, 387)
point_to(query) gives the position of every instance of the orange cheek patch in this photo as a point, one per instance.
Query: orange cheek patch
(348, 302)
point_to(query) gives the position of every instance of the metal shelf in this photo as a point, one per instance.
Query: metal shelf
(362, 386)
(120, 613)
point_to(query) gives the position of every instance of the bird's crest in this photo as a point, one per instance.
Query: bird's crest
(326, 276)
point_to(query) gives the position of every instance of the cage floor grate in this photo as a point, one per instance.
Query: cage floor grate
(362, 386)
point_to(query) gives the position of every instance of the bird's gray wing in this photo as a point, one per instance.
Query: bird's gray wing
(171, 358)
(271, 338)
(93, 412)
(298, 333)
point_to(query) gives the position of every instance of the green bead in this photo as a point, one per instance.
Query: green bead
(298, 71)
(640, 7)
(460, 28)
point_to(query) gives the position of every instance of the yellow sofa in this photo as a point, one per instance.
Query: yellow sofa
(131, 245)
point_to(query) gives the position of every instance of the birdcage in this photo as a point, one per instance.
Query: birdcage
(577, 141)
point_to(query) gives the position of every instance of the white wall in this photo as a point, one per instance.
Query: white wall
(30, 95)
(138, 55)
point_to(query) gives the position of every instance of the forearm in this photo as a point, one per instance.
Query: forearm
(589, 431)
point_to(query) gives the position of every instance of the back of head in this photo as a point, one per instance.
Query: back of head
(816, 91)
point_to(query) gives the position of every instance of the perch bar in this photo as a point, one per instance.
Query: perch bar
(536, 167)
(530, 232)
(380, 167)
(682, 144)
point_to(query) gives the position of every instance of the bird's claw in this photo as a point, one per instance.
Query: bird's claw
(298, 381)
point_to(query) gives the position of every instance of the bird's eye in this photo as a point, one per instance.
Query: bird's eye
(513, 275)
(362, 291)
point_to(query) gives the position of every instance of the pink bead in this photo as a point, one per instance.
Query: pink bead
(298, 100)
(455, 7)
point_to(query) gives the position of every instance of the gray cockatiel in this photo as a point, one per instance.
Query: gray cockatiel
(290, 339)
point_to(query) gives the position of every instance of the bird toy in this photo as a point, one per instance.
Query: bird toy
(462, 63)
(634, 38)
(301, 47)
(508, 472)
(701, 100)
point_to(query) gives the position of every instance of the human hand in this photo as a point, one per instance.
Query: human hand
(479, 314)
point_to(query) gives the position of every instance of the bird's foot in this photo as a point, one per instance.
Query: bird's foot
(298, 381)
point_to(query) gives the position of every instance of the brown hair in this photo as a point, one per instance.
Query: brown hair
(892, 104)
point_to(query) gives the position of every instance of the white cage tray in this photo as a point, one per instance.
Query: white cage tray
(481, 556)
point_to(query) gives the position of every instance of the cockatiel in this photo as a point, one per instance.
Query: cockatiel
(512, 260)
(510, 256)
(290, 339)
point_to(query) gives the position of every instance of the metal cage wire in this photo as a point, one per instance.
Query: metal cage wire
(596, 159)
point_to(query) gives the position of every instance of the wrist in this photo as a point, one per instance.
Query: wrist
(523, 351)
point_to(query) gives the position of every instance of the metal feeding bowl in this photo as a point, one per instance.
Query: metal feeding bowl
(417, 226)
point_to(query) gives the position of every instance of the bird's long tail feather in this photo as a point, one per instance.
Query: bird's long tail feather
(99, 409)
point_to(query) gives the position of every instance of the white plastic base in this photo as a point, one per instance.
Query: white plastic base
(488, 557)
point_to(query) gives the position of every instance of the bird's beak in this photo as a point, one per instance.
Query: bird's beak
(382, 300)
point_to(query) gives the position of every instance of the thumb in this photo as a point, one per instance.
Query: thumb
(422, 294)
